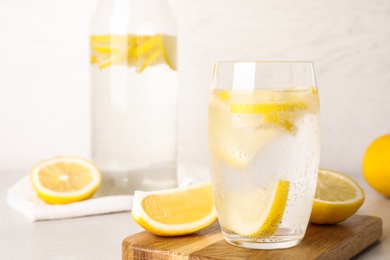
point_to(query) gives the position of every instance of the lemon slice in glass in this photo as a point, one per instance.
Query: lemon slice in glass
(283, 113)
(243, 123)
(257, 213)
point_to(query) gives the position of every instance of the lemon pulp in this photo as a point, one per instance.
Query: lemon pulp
(337, 198)
(65, 179)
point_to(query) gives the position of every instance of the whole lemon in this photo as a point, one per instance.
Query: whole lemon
(376, 165)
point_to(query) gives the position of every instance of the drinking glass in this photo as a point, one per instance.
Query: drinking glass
(264, 147)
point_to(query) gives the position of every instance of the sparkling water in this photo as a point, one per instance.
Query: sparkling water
(273, 137)
(134, 127)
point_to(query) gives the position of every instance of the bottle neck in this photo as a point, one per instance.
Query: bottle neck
(140, 17)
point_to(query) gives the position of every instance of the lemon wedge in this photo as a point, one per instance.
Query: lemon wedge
(174, 212)
(65, 179)
(337, 198)
(256, 220)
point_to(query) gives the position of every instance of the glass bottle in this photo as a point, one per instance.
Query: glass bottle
(134, 95)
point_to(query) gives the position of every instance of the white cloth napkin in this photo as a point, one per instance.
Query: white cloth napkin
(23, 198)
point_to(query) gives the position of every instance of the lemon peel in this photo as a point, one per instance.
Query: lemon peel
(261, 220)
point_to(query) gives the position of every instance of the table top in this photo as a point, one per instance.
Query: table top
(100, 237)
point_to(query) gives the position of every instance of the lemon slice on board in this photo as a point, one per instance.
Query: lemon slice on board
(337, 198)
(261, 219)
(65, 179)
(174, 212)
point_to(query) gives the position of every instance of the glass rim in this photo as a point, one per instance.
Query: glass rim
(246, 72)
(265, 61)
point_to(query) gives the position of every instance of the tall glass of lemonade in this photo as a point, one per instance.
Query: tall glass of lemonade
(264, 143)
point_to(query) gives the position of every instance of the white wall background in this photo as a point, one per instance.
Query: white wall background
(44, 70)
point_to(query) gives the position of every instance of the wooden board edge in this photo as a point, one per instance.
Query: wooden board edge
(371, 230)
(371, 234)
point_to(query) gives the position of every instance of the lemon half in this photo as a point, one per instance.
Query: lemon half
(337, 197)
(65, 179)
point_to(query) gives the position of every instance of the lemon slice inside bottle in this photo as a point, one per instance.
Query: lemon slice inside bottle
(139, 51)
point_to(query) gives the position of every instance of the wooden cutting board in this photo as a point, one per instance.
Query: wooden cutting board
(341, 241)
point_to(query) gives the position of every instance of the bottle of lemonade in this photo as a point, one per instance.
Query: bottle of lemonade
(134, 95)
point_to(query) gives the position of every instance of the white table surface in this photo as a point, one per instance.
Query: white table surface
(100, 237)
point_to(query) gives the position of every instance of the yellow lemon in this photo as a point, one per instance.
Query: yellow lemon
(337, 198)
(260, 221)
(376, 165)
(65, 179)
(174, 212)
